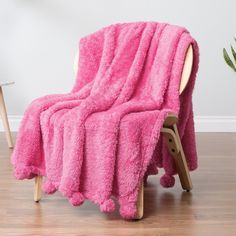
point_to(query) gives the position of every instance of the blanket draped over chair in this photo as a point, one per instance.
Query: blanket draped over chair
(100, 140)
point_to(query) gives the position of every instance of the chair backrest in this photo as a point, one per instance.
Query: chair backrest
(187, 69)
(185, 73)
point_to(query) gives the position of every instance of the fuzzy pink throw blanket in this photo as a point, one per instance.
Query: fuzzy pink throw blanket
(103, 137)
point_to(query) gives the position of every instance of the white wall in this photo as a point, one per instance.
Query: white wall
(38, 41)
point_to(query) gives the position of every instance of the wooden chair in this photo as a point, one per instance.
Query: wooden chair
(171, 133)
(3, 113)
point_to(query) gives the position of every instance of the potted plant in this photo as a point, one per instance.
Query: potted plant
(230, 63)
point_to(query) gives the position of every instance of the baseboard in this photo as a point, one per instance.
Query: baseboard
(202, 123)
(14, 122)
(215, 123)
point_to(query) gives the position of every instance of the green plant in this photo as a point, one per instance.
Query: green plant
(230, 63)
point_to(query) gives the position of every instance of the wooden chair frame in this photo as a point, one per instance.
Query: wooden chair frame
(175, 148)
(170, 131)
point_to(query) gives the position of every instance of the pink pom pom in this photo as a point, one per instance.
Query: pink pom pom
(76, 199)
(128, 211)
(49, 188)
(167, 181)
(107, 206)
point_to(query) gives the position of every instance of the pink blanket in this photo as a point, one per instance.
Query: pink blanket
(103, 137)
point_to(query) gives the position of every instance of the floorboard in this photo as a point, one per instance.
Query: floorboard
(210, 209)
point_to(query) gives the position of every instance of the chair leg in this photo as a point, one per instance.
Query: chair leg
(182, 164)
(139, 214)
(37, 188)
(176, 150)
(5, 122)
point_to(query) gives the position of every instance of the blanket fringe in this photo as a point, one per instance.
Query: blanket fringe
(49, 187)
(167, 180)
(76, 199)
(128, 210)
(107, 206)
(26, 172)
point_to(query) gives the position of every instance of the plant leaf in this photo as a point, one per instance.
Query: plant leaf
(234, 53)
(228, 60)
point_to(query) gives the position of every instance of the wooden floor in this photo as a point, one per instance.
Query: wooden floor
(210, 209)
